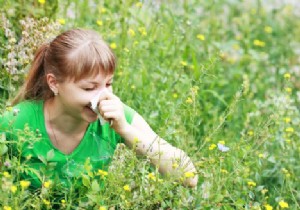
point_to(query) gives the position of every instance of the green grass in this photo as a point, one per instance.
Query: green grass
(199, 72)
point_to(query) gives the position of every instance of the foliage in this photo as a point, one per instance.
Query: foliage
(208, 76)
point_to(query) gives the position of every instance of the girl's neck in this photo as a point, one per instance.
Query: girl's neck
(62, 121)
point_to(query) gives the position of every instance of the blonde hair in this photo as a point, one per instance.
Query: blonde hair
(72, 55)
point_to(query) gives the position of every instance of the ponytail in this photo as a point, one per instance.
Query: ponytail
(35, 86)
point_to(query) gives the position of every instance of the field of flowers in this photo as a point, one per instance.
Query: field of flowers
(218, 79)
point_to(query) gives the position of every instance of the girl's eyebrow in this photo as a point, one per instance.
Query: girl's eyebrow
(95, 82)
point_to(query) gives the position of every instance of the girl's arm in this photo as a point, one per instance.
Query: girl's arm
(168, 159)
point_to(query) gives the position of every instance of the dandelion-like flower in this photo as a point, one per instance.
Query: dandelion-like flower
(224, 171)
(131, 32)
(259, 43)
(102, 208)
(13, 188)
(268, 29)
(99, 22)
(212, 146)
(62, 21)
(189, 174)
(251, 184)
(126, 188)
(113, 46)
(268, 207)
(189, 100)
(46, 202)
(183, 63)
(102, 173)
(47, 184)
(6, 208)
(289, 130)
(283, 204)
(287, 75)
(201, 37)
(6, 174)
(42, 1)
(287, 120)
(25, 184)
(151, 176)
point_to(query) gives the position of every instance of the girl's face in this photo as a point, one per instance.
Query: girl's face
(75, 97)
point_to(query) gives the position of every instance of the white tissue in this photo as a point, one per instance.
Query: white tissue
(94, 107)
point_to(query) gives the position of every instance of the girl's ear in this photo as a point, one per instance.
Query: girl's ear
(52, 83)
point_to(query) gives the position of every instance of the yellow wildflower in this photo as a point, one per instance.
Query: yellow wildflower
(126, 188)
(268, 29)
(175, 95)
(261, 155)
(142, 30)
(212, 146)
(189, 174)
(283, 204)
(102, 173)
(251, 184)
(288, 90)
(151, 176)
(175, 165)
(268, 207)
(42, 1)
(201, 37)
(24, 184)
(189, 100)
(183, 63)
(222, 142)
(289, 130)
(287, 75)
(63, 201)
(6, 208)
(131, 32)
(13, 188)
(288, 141)
(9, 108)
(224, 171)
(259, 43)
(99, 22)
(132, 86)
(113, 45)
(103, 10)
(46, 202)
(284, 170)
(287, 119)
(6, 174)
(139, 4)
(47, 184)
(62, 21)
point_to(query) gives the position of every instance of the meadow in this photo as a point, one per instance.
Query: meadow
(218, 79)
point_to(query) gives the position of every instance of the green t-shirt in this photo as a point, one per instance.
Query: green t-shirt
(95, 151)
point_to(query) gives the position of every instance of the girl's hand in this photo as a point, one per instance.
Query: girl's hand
(111, 109)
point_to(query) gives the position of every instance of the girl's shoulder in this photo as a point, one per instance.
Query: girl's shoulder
(21, 114)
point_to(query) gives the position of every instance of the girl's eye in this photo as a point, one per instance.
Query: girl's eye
(89, 89)
(108, 85)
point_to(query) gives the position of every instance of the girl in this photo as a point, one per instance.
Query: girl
(55, 103)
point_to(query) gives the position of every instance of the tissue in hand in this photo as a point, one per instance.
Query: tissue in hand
(94, 107)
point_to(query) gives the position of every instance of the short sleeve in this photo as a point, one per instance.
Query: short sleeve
(129, 113)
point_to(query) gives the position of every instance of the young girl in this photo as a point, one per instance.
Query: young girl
(55, 103)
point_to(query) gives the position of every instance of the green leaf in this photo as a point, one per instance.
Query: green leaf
(95, 186)
(50, 155)
(3, 149)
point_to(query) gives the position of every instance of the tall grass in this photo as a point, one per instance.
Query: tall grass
(207, 76)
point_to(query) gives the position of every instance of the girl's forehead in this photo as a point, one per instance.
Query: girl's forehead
(95, 78)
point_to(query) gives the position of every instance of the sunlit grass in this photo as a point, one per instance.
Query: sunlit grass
(206, 76)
